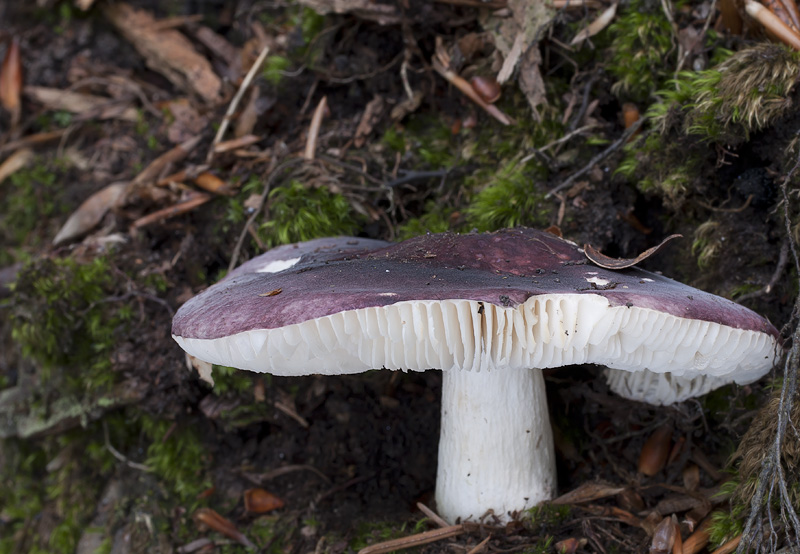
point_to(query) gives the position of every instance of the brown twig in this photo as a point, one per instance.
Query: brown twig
(313, 129)
(235, 102)
(197, 199)
(773, 23)
(469, 92)
(616, 145)
(433, 516)
(414, 540)
(780, 267)
(741, 208)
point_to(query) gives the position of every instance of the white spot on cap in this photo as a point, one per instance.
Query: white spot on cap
(278, 265)
(600, 282)
(646, 280)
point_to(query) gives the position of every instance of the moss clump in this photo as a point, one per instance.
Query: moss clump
(435, 219)
(30, 197)
(510, 198)
(368, 533)
(49, 489)
(707, 243)
(657, 164)
(298, 213)
(724, 527)
(62, 320)
(177, 456)
(744, 94)
(642, 41)
(756, 445)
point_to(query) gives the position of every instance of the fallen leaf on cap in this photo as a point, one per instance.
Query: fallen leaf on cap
(272, 292)
(90, 213)
(607, 262)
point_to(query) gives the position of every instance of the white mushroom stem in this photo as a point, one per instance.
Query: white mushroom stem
(496, 445)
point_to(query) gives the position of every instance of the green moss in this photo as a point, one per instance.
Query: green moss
(298, 213)
(435, 219)
(373, 532)
(657, 164)
(49, 489)
(28, 198)
(707, 244)
(547, 515)
(641, 44)
(61, 319)
(274, 67)
(509, 198)
(393, 138)
(724, 527)
(745, 93)
(230, 379)
(177, 456)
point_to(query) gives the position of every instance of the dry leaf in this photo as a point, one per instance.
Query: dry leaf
(383, 14)
(259, 501)
(621, 263)
(213, 520)
(371, 116)
(88, 106)
(664, 537)
(150, 173)
(587, 492)
(166, 51)
(248, 117)
(204, 369)
(187, 122)
(195, 200)
(11, 81)
(407, 106)
(90, 213)
(16, 161)
(514, 36)
(313, 128)
(212, 183)
(698, 540)
(602, 21)
(570, 545)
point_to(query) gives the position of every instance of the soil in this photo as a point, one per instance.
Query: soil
(350, 457)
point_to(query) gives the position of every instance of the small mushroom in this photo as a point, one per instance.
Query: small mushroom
(490, 310)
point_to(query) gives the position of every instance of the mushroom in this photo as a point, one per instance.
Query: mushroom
(491, 310)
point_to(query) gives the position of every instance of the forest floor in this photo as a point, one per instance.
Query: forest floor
(140, 157)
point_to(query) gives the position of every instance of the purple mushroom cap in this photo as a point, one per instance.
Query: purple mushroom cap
(503, 268)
